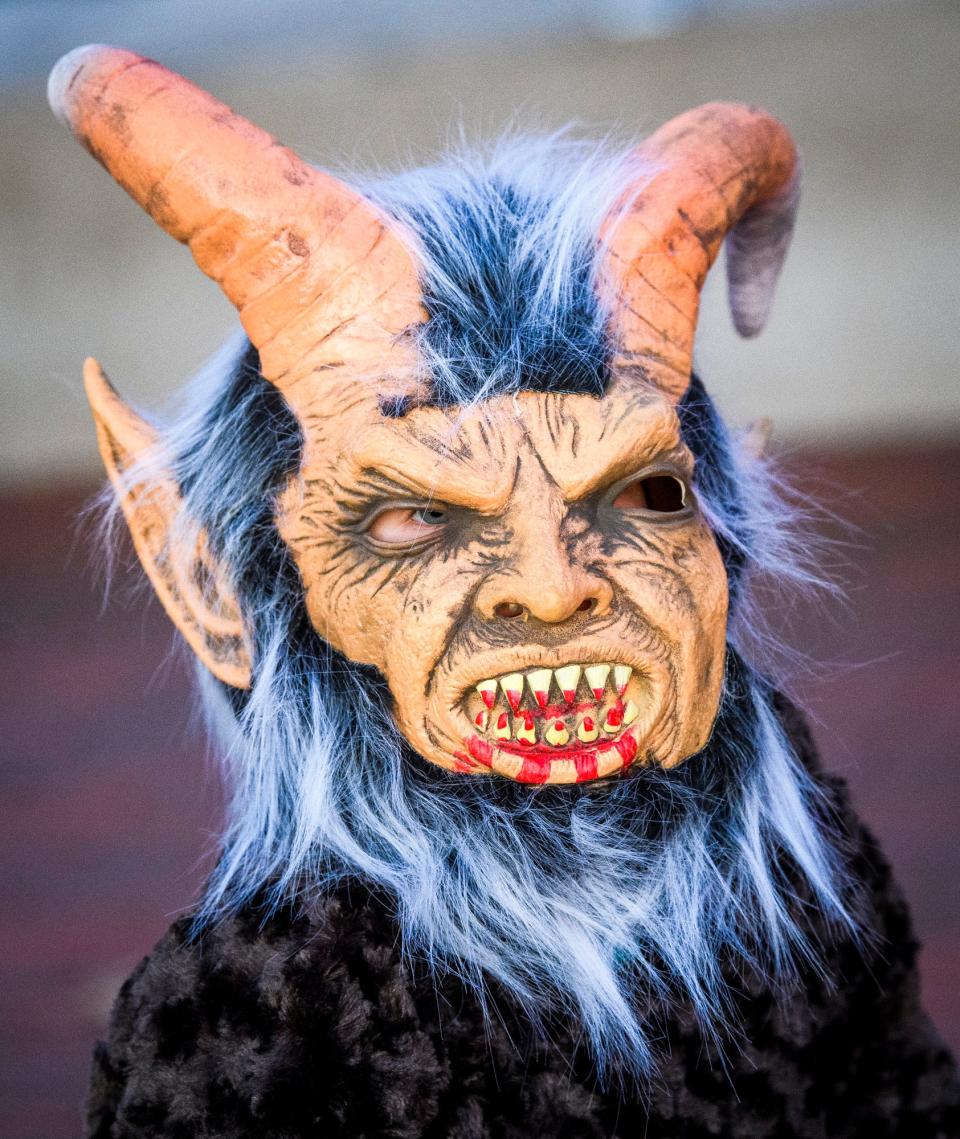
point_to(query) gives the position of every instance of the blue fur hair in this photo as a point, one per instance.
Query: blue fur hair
(507, 240)
(592, 900)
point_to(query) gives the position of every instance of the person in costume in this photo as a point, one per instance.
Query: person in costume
(523, 840)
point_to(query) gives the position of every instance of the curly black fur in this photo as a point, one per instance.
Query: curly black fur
(309, 1024)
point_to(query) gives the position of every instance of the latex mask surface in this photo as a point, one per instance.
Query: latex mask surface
(531, 573)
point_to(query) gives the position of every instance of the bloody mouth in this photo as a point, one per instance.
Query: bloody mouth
(561, 725)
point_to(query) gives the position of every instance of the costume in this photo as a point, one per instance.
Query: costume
(522, 839)
(312, 1025)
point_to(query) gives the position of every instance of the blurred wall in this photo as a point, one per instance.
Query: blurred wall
(863, 340)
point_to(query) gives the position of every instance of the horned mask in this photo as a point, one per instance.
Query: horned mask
(531, 573)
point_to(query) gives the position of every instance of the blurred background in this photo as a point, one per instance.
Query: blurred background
(108, 800)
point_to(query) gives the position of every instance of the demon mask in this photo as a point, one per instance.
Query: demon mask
(457, 518)
(531, 572)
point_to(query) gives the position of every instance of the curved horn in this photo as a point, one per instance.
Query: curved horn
(719, 169)
(315, 271)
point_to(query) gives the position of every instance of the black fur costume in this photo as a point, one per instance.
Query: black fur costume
(312, 1026)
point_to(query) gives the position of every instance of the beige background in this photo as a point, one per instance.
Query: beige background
(863, 340)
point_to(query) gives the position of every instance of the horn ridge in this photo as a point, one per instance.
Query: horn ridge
(278, 236)
(722, 170)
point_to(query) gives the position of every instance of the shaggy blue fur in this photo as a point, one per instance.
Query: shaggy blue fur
(507, 241)
(595, 899)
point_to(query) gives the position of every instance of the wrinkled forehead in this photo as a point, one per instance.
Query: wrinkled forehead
(472, 456)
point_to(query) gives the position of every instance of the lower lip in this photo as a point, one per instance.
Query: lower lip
(539, 764)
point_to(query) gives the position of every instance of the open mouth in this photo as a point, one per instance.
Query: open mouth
(559, 725)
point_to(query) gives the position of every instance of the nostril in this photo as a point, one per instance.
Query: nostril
(507, 609)
(586, 605)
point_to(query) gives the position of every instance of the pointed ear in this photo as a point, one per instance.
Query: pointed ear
(192, 585)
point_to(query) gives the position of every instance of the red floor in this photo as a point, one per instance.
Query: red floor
(109, 805)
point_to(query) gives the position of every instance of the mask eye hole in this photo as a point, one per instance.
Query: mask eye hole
(405, 525)
(662, 494)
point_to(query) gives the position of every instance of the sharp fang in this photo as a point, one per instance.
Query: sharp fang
(502, 730)
(539, 681)
(587, 730)
(512, 686)
(567, 679)
(523, 729)
(613, 722)
(597, 678)
(630, 712)
(621, 675)
(557, 734)
(482, 719)
(488, 692)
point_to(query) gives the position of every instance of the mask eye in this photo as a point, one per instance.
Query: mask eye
(663, 494)
(404, 525)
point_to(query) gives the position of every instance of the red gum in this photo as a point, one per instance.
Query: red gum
(481, 750)
(463, 762)
(534, 769)
(565, 751)
(502, 720)
(513, 698)
(627, 747)
(489, 698)
(569, 694)
(586, 765)
(541, 698)
(570, 750)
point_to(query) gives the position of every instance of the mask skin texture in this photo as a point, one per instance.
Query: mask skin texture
(539, 561)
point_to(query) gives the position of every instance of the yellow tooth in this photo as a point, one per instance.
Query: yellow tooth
(512, 686)
(557, 733)
(502, 729)
(524, 730)
(597, 677)
(613, 721)
(539, 681)
(621, 674)
(567, 679)
(587, 730)
(630, 712)
(482, 720)
(488, 692)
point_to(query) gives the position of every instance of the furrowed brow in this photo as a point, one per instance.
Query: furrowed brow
(618, 456)
(449, 486)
